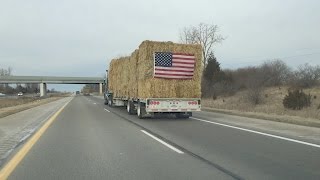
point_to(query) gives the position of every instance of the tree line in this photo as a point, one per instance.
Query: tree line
(90, 88)
(223, 82)
(272, 73)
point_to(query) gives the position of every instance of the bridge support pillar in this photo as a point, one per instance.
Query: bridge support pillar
(100, 88)
(43, 89)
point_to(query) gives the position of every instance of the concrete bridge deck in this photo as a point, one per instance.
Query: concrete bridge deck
(44, 80)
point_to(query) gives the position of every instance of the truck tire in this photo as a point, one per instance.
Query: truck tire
(105, 102)
(141, 110)
(130, 107)
(110, 102)
(183, 115)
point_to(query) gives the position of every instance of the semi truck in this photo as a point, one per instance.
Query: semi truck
(157, 78)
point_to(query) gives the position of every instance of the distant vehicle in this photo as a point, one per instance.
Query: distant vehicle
(86, 94)
(1, 95)
(169, 90)
(20, 94)
(77, 92)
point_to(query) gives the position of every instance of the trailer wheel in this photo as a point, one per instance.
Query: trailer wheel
(183, 115)
(141, 110)
(130, 107)
(110, 103)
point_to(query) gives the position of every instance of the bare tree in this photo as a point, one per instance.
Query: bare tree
(255, 85)
(306, 76)
(32, 88)
(5, 72)
(204, 34)
(276, 72)
(90, 88)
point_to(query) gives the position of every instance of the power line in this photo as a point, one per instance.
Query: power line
(288, 57)
(265, 59)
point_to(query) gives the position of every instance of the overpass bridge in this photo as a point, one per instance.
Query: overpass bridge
(44, 80)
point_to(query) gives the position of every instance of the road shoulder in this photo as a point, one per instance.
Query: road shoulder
(304, 133)
(15, 129)
(270, 117)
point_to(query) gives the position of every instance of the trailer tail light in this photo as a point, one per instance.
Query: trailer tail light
(154, 102)
(192, 102)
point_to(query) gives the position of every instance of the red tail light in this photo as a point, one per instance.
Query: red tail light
(192, 102)
(154, 102)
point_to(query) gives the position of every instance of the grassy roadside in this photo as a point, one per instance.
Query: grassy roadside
(9, 102)
(271, 107)
(271, 117)
(25, 104)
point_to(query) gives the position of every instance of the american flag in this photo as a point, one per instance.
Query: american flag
(173, 65)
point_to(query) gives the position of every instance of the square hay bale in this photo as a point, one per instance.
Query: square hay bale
(132, 79)
(118, 77)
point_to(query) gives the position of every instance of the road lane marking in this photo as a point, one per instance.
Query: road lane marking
(106, 110)
(162, 142)
(261, 133)
(17, 158)
(94, 103)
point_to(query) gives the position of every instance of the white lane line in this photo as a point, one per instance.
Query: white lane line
(261, 133)
(94, 103)
(106, 110)
(162, 142)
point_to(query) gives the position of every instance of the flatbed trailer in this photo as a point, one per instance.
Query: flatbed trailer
(180, 107)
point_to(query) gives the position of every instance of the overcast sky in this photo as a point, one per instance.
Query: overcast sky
(79, 37)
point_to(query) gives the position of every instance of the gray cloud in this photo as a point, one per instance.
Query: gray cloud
(79, 37)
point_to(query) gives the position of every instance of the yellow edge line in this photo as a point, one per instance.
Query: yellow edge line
(13, 163)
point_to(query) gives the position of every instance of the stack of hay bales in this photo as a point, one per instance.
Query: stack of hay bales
(132, 77)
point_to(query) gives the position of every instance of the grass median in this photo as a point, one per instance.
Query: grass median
(10, 106)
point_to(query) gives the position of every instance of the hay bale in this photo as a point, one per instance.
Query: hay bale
(118, 77)
(133, 76)
(132, 73)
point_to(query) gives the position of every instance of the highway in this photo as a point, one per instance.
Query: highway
(89, 140)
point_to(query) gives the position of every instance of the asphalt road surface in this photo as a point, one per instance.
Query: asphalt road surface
(89, 140)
